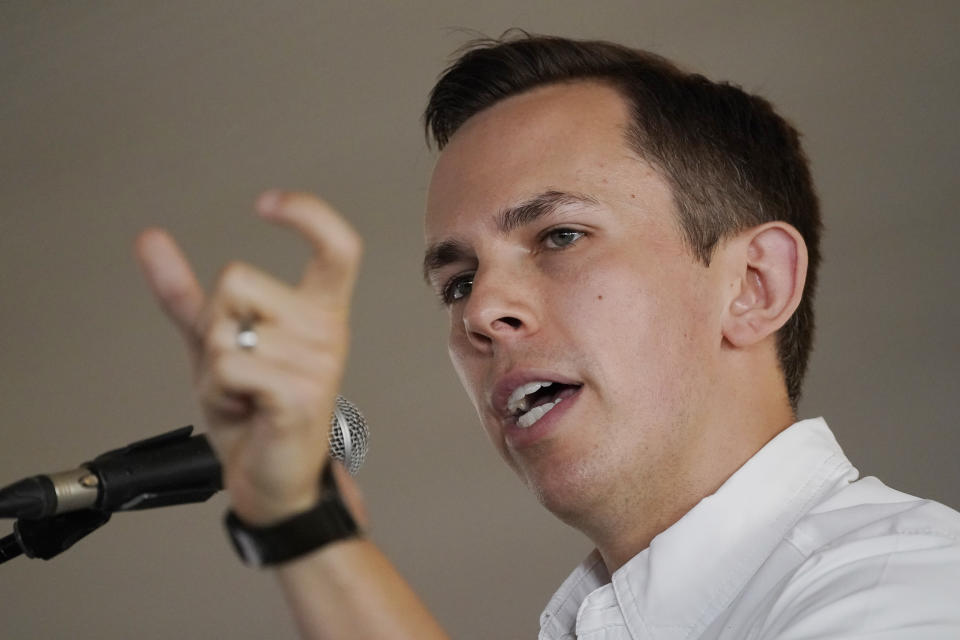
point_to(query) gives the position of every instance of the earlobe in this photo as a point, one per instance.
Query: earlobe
(769, 270)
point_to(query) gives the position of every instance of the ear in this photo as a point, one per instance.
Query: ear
(768, 271)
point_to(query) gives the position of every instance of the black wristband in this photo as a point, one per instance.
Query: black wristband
(327, 522)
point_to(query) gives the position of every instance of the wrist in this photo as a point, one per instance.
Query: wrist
(265, 512)
(264, 499)
(280, 540)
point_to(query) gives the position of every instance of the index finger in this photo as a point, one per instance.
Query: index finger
(173, 283)
(333, 268)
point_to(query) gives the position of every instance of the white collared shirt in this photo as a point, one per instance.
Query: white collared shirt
(792, 546)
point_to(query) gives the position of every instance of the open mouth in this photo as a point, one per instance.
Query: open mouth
(531, 401)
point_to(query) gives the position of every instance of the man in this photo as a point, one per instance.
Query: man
(628, 255)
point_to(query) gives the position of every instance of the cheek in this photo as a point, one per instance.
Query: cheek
(650, 331)
(457, 350)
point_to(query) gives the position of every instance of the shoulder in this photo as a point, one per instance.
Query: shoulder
(869, 514)
(874, 560)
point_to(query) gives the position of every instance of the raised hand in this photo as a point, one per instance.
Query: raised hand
(268, 405)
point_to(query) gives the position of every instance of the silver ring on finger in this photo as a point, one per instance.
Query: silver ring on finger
(247, 337)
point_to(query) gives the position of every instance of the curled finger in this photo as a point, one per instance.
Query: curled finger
(277, 400)
(332, 270)
(319, 357)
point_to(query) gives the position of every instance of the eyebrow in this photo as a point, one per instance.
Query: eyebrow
(440, 254)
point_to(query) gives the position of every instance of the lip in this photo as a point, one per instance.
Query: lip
(517, 437)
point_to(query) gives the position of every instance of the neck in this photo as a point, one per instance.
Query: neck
(749, 417)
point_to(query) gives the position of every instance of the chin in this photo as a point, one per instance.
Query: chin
(568, 491)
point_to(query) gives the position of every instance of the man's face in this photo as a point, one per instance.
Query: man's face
(561, 261)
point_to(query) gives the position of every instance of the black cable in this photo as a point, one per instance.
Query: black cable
(9, 548)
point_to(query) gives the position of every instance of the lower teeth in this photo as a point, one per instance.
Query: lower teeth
(527, 419)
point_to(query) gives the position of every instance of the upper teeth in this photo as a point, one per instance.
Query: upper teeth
(518, 399)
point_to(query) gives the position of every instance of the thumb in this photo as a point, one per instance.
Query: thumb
(173, 283)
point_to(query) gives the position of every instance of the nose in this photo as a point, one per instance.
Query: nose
(501, 307)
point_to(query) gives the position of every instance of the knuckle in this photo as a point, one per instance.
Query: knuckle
(213, 340)
(219, 363)
(233, 275)
(212, 365)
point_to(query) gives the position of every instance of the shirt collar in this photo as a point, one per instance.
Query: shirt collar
(693, 570)
(560, 616)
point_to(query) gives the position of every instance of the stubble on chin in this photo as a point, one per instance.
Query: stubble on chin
(569, 484)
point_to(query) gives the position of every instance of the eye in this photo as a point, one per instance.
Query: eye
(561, 238)
(457, 288)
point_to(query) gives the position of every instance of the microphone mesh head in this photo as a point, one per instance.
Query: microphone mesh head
(349, 435)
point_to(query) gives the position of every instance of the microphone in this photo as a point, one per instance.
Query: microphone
(168, 469)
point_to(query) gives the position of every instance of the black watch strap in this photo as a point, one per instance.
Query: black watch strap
(327, 522)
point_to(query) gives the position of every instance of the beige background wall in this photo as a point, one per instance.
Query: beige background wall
(115, 115)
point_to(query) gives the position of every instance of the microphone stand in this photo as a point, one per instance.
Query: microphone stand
(168, 469)
(48, 537)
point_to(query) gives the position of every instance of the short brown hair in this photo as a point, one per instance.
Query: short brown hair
(732, 161)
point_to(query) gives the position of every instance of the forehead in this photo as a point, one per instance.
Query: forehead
(566, 137)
